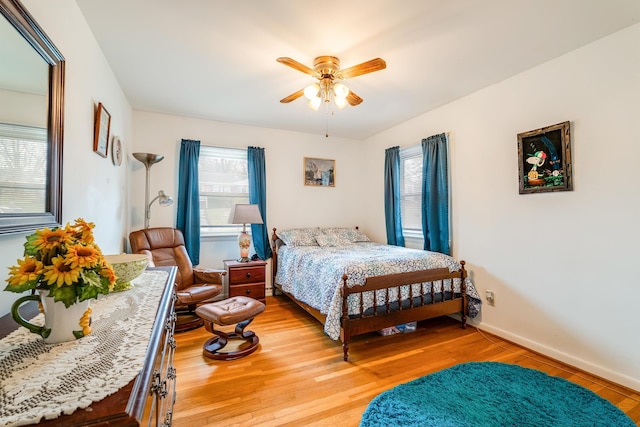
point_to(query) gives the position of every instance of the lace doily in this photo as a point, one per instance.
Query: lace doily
(46, 380)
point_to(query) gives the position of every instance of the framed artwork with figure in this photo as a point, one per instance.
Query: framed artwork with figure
(319, 172)
(544, 159)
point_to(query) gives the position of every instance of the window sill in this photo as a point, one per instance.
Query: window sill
(413, 239)
(222, 237)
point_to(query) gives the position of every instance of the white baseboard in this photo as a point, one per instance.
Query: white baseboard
(569, 359)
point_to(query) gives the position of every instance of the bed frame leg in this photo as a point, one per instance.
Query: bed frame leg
(345, 350)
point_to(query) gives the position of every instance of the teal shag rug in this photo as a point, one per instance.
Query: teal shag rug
(491, 394)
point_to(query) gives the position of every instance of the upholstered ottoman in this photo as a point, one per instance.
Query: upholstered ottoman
(238, 311)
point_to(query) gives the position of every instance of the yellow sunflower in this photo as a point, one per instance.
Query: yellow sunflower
(28, 270)
(59, 273)
(83, 230)
(107, 271)
(82, 256)
(47, 239)
(66, 261)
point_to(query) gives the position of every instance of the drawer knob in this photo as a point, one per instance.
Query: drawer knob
(248, 291)
(248, 275)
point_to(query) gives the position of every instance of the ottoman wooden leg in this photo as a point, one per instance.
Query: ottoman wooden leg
(214, 346)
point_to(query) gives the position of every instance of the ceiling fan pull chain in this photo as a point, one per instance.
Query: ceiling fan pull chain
(326, 130)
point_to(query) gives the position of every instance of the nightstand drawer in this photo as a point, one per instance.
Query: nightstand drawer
(246, 279)
(239, 276)
(254, 291)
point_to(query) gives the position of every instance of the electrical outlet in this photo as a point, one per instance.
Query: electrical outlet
(490, 297)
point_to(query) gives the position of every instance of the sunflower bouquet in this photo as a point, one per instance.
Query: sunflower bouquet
(66, 261)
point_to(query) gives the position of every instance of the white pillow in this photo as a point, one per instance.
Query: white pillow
(332, 240)
(299, 236)
(352, 234)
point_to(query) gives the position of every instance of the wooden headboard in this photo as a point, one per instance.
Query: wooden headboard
(276, 243)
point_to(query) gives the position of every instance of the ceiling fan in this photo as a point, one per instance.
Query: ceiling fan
(327, 70)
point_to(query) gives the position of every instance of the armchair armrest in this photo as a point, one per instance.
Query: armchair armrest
(209, 276)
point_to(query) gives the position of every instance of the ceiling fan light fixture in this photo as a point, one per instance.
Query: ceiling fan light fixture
(314, 103)
(340, 102)
(340, 90)
(326, 70)
(311, 91)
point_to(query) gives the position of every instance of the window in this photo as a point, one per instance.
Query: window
(23, 168)
(223, 182)
(411, 190)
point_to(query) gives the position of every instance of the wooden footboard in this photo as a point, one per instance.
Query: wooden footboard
(413, 306)
(423, 304)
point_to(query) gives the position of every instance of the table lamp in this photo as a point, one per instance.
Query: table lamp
(245, 214)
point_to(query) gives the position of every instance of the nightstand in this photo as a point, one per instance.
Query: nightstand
(246, 278)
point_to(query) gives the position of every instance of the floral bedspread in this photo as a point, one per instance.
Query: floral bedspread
(313, 274)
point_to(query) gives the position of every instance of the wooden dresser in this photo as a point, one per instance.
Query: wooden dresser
(246, 279)
(148, 399)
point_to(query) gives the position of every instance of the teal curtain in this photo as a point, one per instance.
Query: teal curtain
(188, 218)
(392, 209)
(435, 194)
(258, 196)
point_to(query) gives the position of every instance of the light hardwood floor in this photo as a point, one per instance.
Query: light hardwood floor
(298, 378)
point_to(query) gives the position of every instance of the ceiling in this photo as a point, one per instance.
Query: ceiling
(216, 59)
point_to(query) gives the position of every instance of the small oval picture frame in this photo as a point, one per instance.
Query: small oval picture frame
(116, 150)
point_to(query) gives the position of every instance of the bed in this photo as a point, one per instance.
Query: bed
(354, 286)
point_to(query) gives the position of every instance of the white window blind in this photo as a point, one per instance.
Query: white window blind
(411, 189)
(23, 168)
(223, 182)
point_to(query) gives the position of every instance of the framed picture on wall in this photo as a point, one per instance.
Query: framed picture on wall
(544, 159)
(319, 172)
(102, 126)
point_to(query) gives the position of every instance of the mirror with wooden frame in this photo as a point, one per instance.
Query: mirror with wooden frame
(31, 123)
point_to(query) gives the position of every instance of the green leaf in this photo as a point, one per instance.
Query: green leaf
(91, 278)
(65, 294)
(29, 247)
(27, 286)
(88, 292)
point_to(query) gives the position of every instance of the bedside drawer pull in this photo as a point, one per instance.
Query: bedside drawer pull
(248, 291)
(248, 275)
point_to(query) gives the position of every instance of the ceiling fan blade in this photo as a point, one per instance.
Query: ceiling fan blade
(293, 96)
(353, 99)
(364, 68)
(296, 65)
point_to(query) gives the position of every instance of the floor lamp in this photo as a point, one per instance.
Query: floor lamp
(149, 159)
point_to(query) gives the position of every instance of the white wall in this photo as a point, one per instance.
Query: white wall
(23, 108)
(93, 188)
(289, 202)
(560, 264)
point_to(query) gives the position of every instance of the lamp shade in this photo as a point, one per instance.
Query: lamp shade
(163, 199)
(314, 104)
(311, 91)
(340, 102)
(340, 90)
(245, 214)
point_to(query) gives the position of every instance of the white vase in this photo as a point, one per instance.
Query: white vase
(60, 323)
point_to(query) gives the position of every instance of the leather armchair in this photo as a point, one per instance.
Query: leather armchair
(165, 247)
